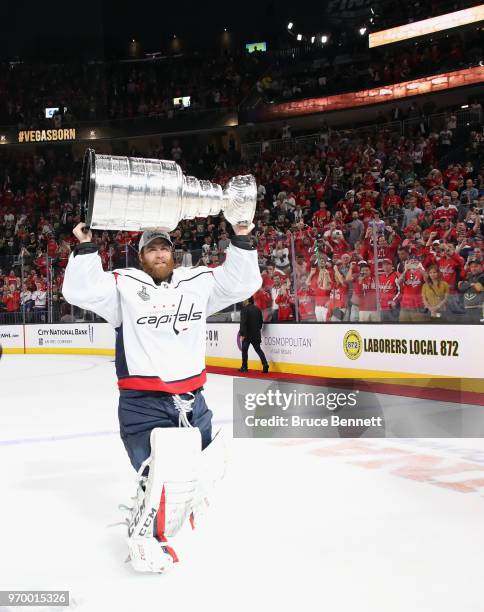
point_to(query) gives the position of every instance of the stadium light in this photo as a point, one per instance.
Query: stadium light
(324, 39)
(362, 31)
(313, 38)
(290, 25)
(299, 37)
(464, 106)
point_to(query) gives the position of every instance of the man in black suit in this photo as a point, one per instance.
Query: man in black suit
(250, 325)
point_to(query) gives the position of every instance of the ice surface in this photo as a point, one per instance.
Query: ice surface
(295, 526)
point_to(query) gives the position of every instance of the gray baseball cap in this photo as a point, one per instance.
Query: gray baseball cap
(152, 234)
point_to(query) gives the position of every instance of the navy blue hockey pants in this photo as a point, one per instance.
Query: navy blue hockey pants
(141, 411)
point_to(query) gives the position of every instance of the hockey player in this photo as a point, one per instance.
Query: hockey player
(159, 315)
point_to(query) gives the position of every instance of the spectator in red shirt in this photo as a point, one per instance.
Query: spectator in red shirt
(364, 295)
(338, 244)
(51, 246)
(320, 281)
(269, 274)
(63, 253)
(443, 230)
(12, 279)
(263, 301)
(412, 229)
(451, 268)
(391, 200)
(12, 302)
(41, 263)
(367, 212)
(103, 254)
(450, 265)
(411, 281)
(302, 236)
(446, 210)
(285, 305)
(321, 216)
(389, 292)
(305, 298)
(338, 297)
(302, 267)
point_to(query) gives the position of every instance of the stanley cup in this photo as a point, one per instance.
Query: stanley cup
(133, 194)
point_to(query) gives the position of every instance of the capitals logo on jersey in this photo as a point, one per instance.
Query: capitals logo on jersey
(173, 318)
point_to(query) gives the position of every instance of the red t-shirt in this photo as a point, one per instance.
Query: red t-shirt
(365, 289)
(449, 267)
(13, 302)
(321, 217)
(338, 297)
(446, 213)
(41, 263)
(388, 288)
(262, 299)
(339, 247)
(306, 304)
(268, 282)
(285, 310)
(11, 280)
(411, 288)
(51, 248)
(392, 200)
(321, 296)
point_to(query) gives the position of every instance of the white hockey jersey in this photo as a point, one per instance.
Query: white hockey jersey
(160, 329)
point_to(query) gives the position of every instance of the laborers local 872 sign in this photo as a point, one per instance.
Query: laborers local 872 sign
(47, 135)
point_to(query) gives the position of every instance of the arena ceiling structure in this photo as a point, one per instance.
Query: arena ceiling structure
(105, 29)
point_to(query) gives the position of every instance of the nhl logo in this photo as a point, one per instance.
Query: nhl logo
(144, 294)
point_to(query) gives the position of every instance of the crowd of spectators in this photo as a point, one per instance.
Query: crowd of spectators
(319, 212)
(324, 71)
(127, 89)
(323, 211)
(118, 90)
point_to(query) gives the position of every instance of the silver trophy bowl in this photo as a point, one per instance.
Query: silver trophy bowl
(134, 194)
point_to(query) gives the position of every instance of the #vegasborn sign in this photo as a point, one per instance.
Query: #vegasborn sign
(46, 135)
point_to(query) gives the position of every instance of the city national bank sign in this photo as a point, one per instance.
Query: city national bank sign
(53, 135)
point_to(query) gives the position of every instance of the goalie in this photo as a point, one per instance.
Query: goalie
(159, 315)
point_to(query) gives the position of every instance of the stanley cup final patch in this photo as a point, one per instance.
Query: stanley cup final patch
(144, 295)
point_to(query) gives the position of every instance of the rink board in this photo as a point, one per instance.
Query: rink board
(357, 350)
(384, 351)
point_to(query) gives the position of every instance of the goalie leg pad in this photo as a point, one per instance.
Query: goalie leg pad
(211, 470)
(166, 494)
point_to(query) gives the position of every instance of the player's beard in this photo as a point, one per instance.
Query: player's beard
(158, 270)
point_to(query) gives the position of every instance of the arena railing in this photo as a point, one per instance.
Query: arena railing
(465, 118)
(317, 288)
(185, 121)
